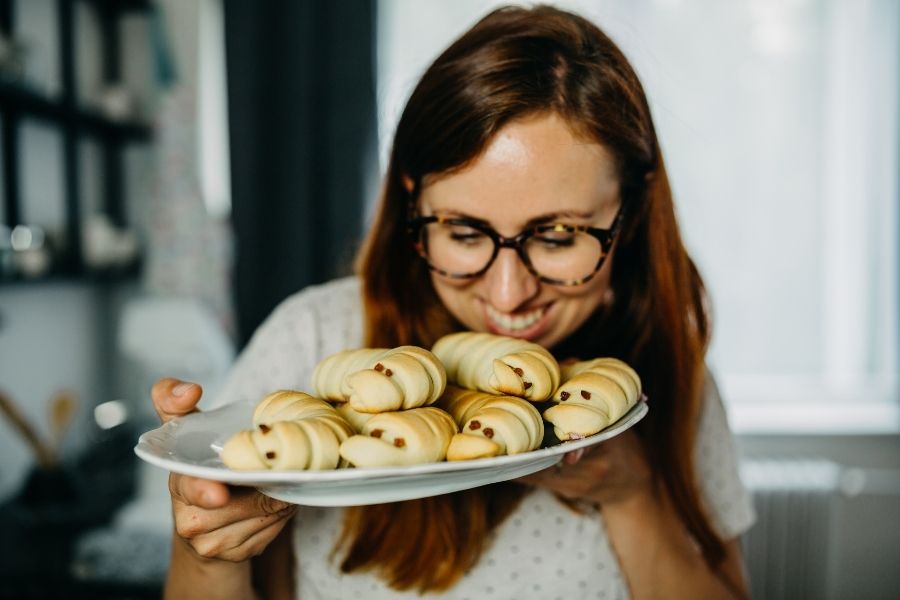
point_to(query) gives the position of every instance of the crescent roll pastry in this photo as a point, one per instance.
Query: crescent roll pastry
(292, 430)
(375, 380)
(594, 396)
(498, 364)
(491, 425)
(408, 437)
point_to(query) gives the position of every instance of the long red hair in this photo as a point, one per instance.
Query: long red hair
(512, 64)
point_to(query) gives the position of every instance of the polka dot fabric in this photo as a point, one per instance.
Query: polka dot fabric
(542, 551)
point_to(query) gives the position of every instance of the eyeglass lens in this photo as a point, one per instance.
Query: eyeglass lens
(555, 253)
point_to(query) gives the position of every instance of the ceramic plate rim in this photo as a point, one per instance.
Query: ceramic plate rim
(156, 437)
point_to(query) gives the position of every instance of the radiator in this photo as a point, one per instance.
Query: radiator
(787, 550)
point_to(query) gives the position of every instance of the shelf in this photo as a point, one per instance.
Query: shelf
(20, 102)
(32, 104)
(98, 281)
(110, 276)
(121, 6)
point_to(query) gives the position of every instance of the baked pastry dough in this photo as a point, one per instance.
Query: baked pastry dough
(356, 419)
(498, 364)
(490, 425)
(375, 380)
(292, 430)
(407, 437)
(596, 394)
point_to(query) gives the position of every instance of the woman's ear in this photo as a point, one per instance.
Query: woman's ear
(408, 184)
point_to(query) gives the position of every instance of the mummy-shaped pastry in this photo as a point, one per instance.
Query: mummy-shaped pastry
(407, 437)
(498, 364)
(356, 419)
(375, 380)
(490, 425)
(292, 431)
(595, 394)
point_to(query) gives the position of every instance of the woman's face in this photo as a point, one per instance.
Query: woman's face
(534, 171)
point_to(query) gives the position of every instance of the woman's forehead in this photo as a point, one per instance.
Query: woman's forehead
(530, 168)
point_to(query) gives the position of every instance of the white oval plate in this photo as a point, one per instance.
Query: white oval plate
(190, 445)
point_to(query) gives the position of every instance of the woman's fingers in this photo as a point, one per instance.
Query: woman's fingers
(575, 472)
(201, 493)
(242, 539)
(217, 521)
(200, 517)
(214, 495)
(570, 458)
(174, 398)
(255, 544)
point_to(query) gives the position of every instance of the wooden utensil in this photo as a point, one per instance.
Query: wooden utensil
(62, 409)
(42, 454)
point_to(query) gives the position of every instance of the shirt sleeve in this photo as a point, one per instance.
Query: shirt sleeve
(285, 349)
(727, 500)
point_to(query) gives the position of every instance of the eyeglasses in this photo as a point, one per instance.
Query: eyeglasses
(558, 254)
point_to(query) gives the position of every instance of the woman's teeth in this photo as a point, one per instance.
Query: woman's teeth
(515, 323)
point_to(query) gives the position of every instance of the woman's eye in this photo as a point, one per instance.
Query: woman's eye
(560, 240)
(466, 236)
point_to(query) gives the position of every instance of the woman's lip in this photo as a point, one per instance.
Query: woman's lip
(531, 332)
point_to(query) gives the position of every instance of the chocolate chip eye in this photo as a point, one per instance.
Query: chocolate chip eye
(379, 367)
(376, 433)
(270, 455)
(264, 428)
(475, 425)
(488, 432)
(399, 442)
(585, 394)
(563, 396)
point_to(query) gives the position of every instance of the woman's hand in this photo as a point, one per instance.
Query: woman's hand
(213, 520)
(609, 472)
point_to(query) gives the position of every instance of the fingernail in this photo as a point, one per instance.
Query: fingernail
(206, 497)
(578, 454)
(181, 388)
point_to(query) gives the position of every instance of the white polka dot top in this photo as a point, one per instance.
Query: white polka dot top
(543, 550)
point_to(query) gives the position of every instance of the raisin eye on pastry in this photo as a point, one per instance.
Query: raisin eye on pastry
(291, 430)
(490, 425)
(594, 395)
(407, 437)
(375, 380)
(498, 365)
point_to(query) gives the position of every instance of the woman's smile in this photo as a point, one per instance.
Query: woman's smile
(527, 324)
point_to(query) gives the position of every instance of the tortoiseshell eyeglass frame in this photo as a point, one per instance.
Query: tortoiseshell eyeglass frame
(606, 237)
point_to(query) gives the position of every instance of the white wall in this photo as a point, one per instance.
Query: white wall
(51, 339)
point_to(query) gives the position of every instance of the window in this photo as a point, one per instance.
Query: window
(779, 125)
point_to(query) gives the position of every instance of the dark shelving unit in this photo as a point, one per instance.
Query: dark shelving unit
(18, 102)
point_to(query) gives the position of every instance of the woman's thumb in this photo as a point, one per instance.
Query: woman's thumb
(174, 398)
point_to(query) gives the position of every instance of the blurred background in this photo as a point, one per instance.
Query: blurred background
(171, 169)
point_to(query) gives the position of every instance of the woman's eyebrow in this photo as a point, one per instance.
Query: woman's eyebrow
(556, 217)
(455, 214)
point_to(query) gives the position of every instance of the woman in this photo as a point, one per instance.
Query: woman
(527, 173)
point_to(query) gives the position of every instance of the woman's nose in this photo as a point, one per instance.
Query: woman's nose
(509, 282)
